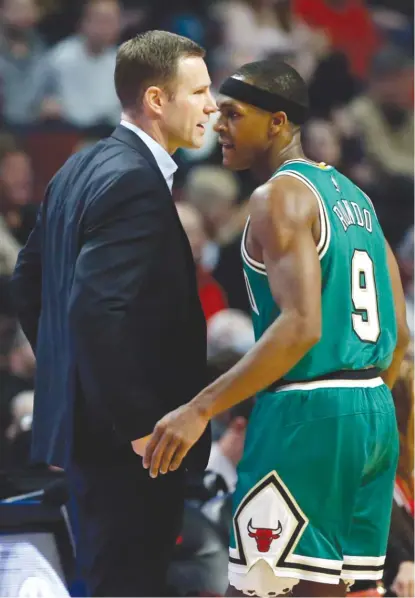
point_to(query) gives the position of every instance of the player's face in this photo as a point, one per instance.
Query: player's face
(244, 133)
(185, 115)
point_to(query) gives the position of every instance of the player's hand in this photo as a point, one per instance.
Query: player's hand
(139, 445)
(172, 438)
(404, 581)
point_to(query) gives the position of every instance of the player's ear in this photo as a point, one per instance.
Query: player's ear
(278, 121)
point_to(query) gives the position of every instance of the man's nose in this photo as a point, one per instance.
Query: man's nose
(211, 106)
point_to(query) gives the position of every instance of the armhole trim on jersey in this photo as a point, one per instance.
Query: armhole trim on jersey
(369, 201)
(325, 232)
(249, 261)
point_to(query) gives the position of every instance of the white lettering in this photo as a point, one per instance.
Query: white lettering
(340, 215)
(368, 220)
(358, 213)
(349, 212)
(346, 216)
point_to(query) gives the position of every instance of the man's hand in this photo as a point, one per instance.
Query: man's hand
(172, 438)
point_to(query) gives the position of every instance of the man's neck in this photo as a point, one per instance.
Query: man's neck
(276, 157)
(150, 127)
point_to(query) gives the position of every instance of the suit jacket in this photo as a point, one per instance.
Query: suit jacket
(106, 294)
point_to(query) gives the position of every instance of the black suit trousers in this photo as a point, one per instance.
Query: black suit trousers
(127, 525)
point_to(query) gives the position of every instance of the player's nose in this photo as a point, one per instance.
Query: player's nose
(219, 125)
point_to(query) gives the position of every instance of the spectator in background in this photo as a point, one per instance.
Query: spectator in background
(403, 396)
(326, 141)
(16, 376)
(9, 249)
(211, 295)
(322, 142)
(384, 117)
(391, 19)
(229, 336)
(254, 29)
(183, 17)
(399, 565)
(227, 451)
(405, 255)
(349, 27)
(214, 192)
(384, 114)
(229, 330)
(82, 68)
(23, 71)
(18, 433)
(352, 41)
(16, 194)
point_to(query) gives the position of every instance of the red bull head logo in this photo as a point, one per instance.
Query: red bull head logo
(264, 535)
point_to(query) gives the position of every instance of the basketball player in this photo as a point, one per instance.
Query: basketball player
(314, 493)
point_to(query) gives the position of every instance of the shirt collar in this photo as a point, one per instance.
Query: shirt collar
(164, 161)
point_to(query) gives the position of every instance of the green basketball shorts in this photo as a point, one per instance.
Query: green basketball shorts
(315, 486)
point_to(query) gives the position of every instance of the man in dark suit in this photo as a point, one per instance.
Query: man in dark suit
(107, 296)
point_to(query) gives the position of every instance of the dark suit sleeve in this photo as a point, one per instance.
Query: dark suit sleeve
(26, 283)
(113, 304)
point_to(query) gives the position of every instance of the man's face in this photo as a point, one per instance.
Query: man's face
(101, 23)
(185, 115)
(193, 227)
(17, 178)
(394, 89)
(21, 15)
(323, 143)
(244, 133)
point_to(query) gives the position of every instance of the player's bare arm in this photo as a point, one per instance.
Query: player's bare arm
(391, 374)
(283, 223)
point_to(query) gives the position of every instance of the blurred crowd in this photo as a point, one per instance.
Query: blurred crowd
(57, 60)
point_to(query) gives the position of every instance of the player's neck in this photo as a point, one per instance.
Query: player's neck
(279, 153)
(291, 151)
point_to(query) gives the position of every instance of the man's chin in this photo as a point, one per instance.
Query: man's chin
(192, 144)
(198, 142)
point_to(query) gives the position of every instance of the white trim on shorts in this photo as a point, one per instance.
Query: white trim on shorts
(315, 384)
(363, 567)
(239, 577)
(367, 568)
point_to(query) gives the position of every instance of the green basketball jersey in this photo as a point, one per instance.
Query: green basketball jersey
(358, 313)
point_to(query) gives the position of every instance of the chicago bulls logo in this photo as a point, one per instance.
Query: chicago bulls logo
(264, 535)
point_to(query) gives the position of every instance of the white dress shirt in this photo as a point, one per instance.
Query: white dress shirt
(164, 161)
(219, 463)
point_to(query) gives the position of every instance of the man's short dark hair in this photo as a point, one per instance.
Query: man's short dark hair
(276, 77)
(150, 58)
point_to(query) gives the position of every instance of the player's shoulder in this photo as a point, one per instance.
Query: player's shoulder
(283, 197)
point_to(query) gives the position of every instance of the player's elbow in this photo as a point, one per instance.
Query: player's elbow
(404, 336)
(308, 330)
(312, 336)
